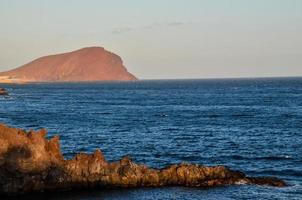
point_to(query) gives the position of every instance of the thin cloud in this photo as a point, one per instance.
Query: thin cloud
(176, 23)
(121, 30)
(167, 24)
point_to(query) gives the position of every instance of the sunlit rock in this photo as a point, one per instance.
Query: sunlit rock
(31, 163)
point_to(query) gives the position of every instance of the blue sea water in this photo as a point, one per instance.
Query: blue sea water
(252, 125)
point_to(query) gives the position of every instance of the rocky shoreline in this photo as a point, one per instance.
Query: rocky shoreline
(31, 163)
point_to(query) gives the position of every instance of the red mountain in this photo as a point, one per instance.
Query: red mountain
(87, 64)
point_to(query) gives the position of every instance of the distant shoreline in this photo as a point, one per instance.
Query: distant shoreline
(222, 78)
(19, 81)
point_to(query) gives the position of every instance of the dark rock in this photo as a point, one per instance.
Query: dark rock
(31, 163)
(3, 91)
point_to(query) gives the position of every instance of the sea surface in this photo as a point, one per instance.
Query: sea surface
(252, 125)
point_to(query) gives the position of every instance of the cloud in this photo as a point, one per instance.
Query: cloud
(151, 26)
(167, 24)
(121, 30)
(176, 23)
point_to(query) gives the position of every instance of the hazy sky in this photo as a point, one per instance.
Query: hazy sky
(161, 38)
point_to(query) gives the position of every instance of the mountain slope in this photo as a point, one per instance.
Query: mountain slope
(87, 64)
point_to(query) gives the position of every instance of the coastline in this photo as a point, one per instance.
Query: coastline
(214, 128)
(32, 163)
(8, 79)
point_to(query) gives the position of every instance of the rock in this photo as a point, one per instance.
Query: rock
(3, 91)
(87, 64)
(31, 163)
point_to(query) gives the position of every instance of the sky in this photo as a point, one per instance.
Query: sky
(161, 39)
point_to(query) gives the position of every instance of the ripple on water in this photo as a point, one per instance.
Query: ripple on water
(253, 125)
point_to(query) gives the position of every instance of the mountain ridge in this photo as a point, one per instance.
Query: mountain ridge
(86, 64)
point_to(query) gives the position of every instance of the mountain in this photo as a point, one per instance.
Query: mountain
(87, 64)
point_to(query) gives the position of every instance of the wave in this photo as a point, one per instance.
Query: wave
(258, 158)
(285, 172)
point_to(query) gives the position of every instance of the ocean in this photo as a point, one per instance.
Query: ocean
(251, 125)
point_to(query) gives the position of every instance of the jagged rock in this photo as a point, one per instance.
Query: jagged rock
(3, 91)
(31, 163)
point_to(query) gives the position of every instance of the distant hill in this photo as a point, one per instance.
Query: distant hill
(87, 64)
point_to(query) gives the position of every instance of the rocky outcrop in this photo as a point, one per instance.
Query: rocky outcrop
(3, 91)
(87, 64)
(31, 163)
